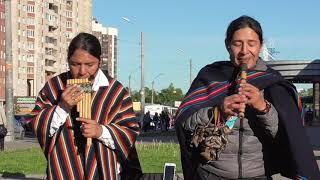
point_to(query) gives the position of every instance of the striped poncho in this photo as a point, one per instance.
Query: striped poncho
(65, 151)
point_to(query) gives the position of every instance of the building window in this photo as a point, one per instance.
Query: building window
(51, 40)
(30, 8)
(69, 14)
(30, 46)
(49, 62)
(68, 24)
(68, 35)
(30, 21)
(30, 33)
(46, 5)
(50, 17)
(30, 58)
(30, 70)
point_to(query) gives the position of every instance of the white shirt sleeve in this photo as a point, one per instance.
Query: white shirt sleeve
(58, 119)
(106, 138)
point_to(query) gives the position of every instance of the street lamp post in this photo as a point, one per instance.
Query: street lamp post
(190, 71)
(142, 90)
(9, 73)
(129, 84)
(130, 75)
(190, 65)
(142, 74)
(152, 86)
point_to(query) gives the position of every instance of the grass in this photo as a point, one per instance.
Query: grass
(27, 161)
(32, 161)
(153, 156)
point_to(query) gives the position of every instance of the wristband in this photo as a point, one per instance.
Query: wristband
(266, 109)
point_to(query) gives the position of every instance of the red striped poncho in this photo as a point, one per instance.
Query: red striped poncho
(111, 107)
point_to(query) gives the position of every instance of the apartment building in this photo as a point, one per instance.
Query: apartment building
(41, 32)
(108, 38)
(2, 53)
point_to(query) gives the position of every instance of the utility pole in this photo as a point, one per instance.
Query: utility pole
(316, 99)
(9, 73)
(190, 71)
(181, 51)
(152, 84)
(129, 84)
(142, 74)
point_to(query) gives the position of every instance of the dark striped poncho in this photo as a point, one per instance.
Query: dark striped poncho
(289, 153)
(111, 107)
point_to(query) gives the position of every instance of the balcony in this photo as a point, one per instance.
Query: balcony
(50, 69)
(53, 7)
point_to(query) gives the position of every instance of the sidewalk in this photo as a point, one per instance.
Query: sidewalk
(27, 142)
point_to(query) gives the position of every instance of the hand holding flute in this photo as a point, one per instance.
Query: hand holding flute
(234, 105)
(89, 128)
(252, 95)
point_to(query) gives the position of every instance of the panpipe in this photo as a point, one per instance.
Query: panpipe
(243, 79)
(84, 105)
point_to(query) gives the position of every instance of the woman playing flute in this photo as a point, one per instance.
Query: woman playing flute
(62, 134)
(233, 127)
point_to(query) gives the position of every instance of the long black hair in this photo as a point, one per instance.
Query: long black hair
(243, 22)
(87, 42)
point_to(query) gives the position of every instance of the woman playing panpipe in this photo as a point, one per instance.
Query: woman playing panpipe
(240, 119)
(84, 120)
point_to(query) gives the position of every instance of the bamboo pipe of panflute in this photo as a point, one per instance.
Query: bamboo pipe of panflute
(84, 105)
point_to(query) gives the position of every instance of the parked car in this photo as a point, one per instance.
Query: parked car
(22, 126)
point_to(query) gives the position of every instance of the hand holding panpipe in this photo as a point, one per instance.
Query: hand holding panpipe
(84, 105)
(243, 79)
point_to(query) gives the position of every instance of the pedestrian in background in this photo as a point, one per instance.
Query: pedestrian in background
(3, 129)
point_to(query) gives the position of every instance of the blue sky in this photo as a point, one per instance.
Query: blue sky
(198, 28)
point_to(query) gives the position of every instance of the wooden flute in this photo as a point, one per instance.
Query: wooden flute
(243, 79)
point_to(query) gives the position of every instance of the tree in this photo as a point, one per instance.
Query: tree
(165, 97)
(135, 95)
(310, 92)
(148, 94)
(169, 95)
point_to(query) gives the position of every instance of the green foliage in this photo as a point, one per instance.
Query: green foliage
(135, 95)
(166, 96)
(169, 95)
(308, 92)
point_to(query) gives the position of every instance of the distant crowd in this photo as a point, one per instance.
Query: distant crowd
(157, 122)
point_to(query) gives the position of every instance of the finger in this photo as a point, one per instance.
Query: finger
(85, 120)
(77, 98)
(239, 98)
(75, 91)
(69, 89)
(237, 106)
(88, 131)
(249, 87)
(230, 112)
